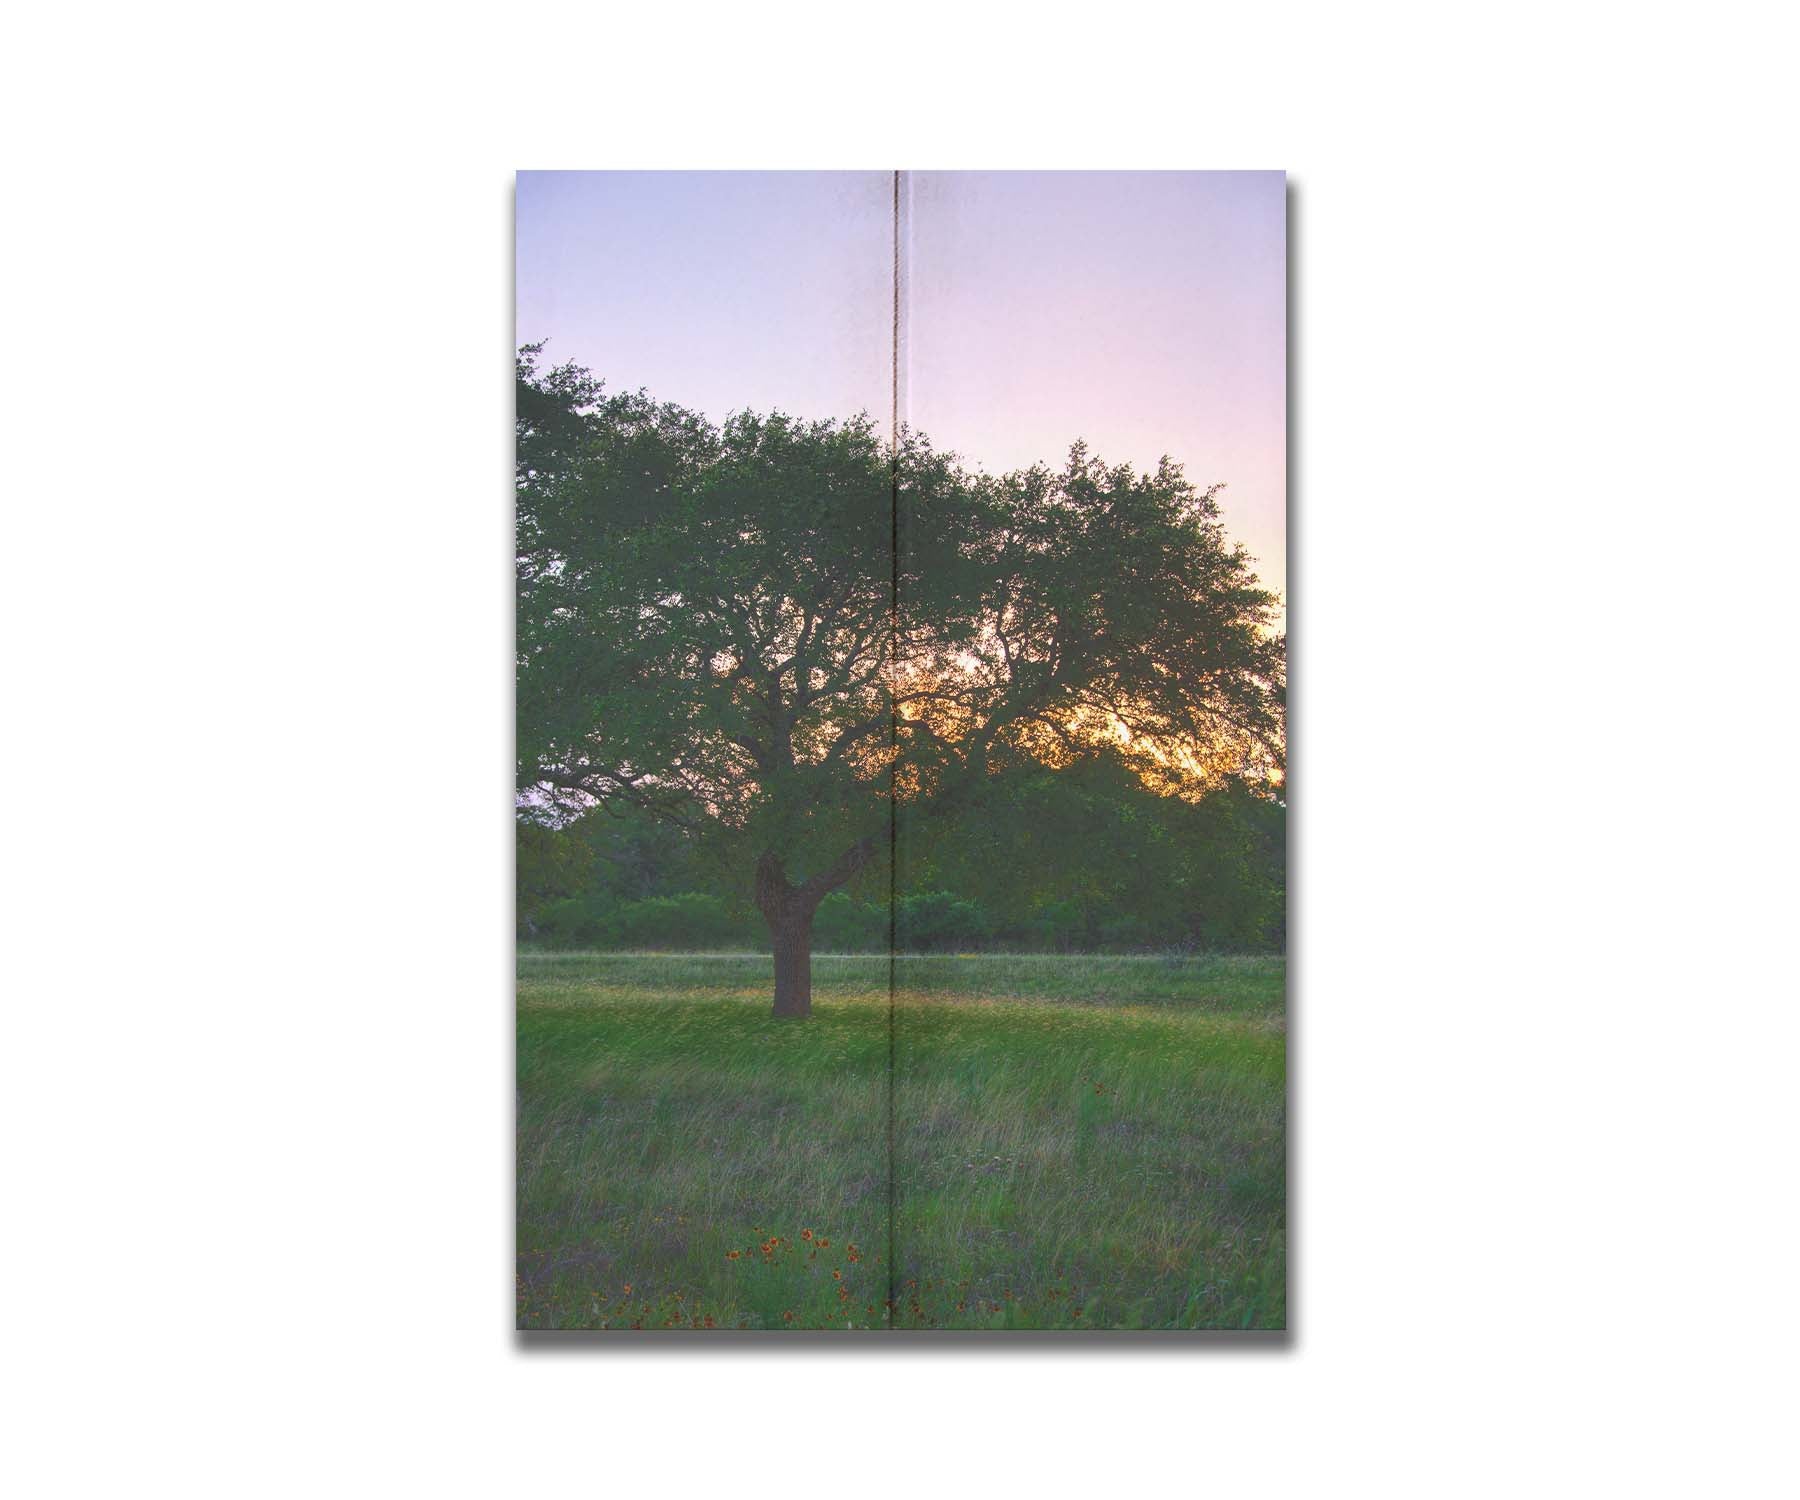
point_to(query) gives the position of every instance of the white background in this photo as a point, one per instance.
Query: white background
(255, 598)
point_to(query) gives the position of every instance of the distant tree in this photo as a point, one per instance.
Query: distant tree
(1087, 855)
(604, 858)
(549, 865)
(782, 631)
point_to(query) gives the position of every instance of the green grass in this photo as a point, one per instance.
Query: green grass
(1077, 1142)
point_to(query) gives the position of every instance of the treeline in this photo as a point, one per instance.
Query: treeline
(1082, 859)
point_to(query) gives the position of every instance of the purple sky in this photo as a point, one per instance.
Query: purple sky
(1145, 312)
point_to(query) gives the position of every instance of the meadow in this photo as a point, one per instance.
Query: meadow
(1017, 1142)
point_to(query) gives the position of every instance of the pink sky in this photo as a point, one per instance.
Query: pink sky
(1144, 312)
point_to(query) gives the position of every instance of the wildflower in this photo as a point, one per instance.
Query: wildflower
(824, 1244)
(837, 1275)
(787, 1317)
(731, 1255)
(806, 1234)
(628, 1289)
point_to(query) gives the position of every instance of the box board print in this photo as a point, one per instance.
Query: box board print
(900, 719)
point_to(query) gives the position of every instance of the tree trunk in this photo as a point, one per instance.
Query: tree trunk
(793, 964)
(788, 909)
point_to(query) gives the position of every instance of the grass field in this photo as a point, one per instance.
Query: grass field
(1077, 1142)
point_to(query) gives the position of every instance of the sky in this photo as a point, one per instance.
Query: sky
(1142, 311)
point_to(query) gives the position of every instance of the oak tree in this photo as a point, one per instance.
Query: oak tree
(794, 633)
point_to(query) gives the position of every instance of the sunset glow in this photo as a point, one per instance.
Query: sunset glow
(1142, 312)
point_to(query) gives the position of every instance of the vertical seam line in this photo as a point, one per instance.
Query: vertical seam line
(893, 730)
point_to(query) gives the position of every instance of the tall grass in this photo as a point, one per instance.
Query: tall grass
(1064, 1142)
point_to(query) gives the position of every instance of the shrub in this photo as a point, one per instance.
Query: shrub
(936, 921)
(1060, 926)
(1128, 934)
(567, 924)
(844, 925)
(690, 921)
